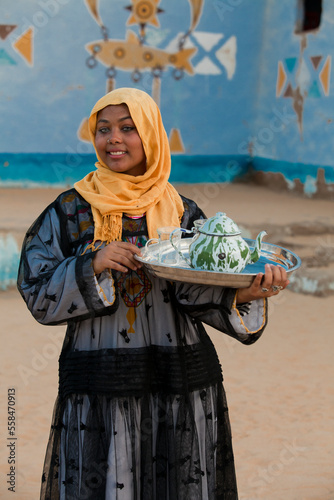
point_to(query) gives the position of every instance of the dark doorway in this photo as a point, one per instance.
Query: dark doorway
(310, 18)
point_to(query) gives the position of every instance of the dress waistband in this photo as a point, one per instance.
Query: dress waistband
(134, 372)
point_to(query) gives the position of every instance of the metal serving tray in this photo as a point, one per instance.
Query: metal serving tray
(270, 254)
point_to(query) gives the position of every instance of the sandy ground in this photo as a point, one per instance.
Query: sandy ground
(280, 389)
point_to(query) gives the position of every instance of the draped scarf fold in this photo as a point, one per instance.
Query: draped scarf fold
(111, 194)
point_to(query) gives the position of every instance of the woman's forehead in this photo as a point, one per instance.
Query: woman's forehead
(114, 109)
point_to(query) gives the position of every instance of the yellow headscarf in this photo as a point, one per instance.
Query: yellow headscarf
(110, 194)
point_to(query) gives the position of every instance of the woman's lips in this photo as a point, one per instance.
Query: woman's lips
(116, 153)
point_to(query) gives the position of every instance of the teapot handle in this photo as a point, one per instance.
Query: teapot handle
(151, 241)
(181, 230)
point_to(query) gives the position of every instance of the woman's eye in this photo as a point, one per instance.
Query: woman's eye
(128, 128)
(103, 130)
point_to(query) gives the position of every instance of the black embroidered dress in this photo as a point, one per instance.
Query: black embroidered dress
(141, 412)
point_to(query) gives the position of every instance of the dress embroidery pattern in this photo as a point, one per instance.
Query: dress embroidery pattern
(133, 288)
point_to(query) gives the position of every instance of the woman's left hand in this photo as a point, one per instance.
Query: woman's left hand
(265, 285)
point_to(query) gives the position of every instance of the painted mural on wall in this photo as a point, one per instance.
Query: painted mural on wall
(293, 148)
(234, 94)
(303, 77)
(136, 55)
(300, 78)
(54, 69)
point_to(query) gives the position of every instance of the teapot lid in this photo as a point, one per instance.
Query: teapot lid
(220, 225)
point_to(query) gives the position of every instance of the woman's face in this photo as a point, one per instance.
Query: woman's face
(117, 141)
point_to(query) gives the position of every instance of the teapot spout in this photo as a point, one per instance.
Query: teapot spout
(255, 255)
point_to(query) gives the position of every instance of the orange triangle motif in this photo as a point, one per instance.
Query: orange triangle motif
(325, 75)
(93, 8)
(131, 37)
(196, 8)
(24, 45)
(83, 131)
(155, 22)
(175, 141)
(131, 20)
(281, 79)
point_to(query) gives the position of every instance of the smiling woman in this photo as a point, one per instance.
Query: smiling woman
(141, 412)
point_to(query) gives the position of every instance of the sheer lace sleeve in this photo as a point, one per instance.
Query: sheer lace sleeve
(216, 307)
(55, 280)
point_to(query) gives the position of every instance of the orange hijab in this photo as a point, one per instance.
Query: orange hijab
(110, 194)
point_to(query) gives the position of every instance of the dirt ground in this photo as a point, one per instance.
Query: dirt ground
(280, 390)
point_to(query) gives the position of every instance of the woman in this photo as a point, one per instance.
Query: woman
(141, 411)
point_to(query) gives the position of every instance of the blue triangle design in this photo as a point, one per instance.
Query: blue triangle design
(5, 58)
(291, 63)
(314, 90)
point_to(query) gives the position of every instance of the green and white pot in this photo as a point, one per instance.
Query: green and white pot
(219, 246)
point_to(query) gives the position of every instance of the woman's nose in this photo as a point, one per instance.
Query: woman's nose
(114, 137)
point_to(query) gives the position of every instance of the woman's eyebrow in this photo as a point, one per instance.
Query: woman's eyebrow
(125, 118)
(103, 120)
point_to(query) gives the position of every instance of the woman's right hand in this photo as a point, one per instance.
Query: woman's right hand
(118, 255)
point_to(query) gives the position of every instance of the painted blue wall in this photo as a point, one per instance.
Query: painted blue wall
(282, 136)
(231, 115)
(50, 99)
